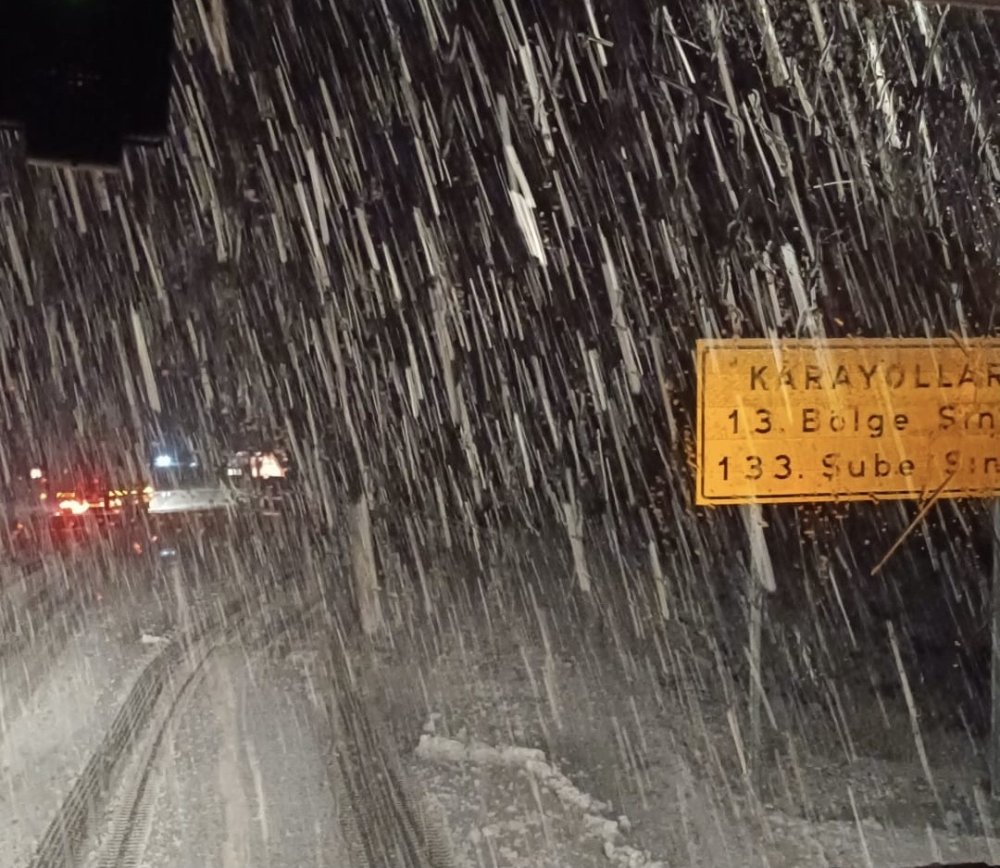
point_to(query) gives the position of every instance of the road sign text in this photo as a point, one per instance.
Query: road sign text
(789, 421)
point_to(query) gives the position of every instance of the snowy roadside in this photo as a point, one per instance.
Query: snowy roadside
(476, 759)
(525, 811)
(513, 820)
(544, 752)
(58, 698)
(21, 585)
(45, 742)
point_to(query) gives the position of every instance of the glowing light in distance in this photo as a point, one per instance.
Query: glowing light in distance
(74, 506)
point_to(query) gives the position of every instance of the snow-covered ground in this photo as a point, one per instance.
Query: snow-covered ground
(566, 747)
(77, 634)
(544, 753)
(508, 806)
(240, 780)
(511, 806)
(49, 729)
(241, 775)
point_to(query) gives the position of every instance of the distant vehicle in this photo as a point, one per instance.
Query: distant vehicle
(79, 507)
(263, 477)
(183, 482)
(173, 467)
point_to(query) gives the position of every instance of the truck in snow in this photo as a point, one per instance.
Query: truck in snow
(73, 507)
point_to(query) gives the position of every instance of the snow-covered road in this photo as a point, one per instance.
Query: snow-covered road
(240, 779)
(72, 647)
(232, 748)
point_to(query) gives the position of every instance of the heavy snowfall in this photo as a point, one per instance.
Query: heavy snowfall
(348, 446)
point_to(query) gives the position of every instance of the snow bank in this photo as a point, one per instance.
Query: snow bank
(533, 762)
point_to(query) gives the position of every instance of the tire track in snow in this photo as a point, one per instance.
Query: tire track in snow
(113, 793)
(394, 825)
(234, 795)
(232, 705)
(65, 841)
(131, 814)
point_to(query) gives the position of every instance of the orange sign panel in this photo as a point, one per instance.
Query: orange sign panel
(791, 421)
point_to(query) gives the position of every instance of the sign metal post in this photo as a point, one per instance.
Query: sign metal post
(994, 751)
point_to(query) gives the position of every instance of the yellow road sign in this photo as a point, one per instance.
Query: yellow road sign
(789, 421)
